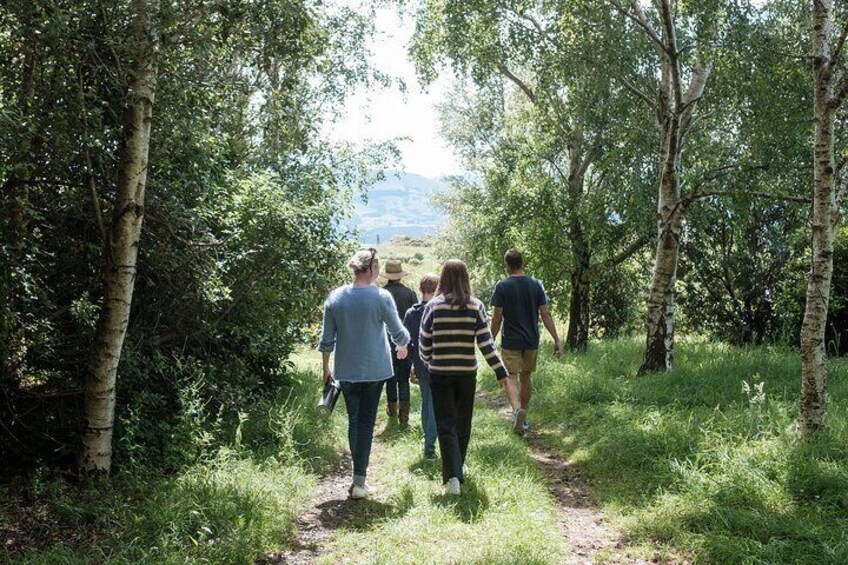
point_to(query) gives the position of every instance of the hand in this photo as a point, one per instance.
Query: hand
(413, 376)
(402, 352)
(328, 374)
(557, 349)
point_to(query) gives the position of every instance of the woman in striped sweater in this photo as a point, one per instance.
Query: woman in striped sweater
(453, 323)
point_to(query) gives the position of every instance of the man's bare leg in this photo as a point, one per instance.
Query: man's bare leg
(510, 388)
(526, 390)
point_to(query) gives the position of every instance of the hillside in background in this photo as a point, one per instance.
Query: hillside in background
(399, 205)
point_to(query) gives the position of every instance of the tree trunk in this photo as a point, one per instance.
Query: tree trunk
(813, 353)
(577, 338)
(659, 340)
(659, 345)
(121, 249)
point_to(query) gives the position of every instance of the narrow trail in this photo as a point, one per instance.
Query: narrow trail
(329, 509)
(587, 530)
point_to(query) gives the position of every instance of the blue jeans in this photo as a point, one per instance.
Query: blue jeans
(361, 400)
(428, 418)
(397, 388)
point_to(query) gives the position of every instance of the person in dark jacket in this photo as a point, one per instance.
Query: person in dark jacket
(412, 321)
(397, 388)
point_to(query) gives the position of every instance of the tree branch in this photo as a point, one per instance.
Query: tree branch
(95, 200)
(638, 17)
(622, 256)
(840, 96)
(757, 194)
(840, 45)
(652, 104)
(518, 82)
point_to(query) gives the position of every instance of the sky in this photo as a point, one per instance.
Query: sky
(387, 113)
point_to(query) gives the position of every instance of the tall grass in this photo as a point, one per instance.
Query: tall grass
(698, 460)
(237, 502)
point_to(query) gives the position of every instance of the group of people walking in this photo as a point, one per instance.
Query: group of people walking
(385, 336)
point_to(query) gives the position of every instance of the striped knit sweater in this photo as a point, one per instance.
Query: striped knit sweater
(448, 335)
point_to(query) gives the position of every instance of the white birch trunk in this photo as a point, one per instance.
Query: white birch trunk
(121, 250)
(674, 109)
(825, 212)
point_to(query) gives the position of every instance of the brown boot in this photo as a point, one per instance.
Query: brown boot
(403, 414)
(392, 409)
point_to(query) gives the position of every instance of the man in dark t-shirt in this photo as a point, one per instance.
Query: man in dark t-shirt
(397, 388)
(519, 301)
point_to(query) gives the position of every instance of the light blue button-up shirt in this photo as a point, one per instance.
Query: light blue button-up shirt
(355, 323)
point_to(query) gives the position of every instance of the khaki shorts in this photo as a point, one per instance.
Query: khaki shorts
(520, 360)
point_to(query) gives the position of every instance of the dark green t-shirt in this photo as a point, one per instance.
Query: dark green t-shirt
(520, 298)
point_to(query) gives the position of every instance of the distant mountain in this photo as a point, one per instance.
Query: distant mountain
(399, 205)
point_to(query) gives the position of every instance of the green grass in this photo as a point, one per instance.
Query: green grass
(505, 514)
(689, 461)
(687, 464)
(236, 504)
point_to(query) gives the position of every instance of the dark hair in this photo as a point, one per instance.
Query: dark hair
(428, 283)
(514, 260)
(454, 283)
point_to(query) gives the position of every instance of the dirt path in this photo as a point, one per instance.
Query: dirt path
(329, 510)
(587, 530)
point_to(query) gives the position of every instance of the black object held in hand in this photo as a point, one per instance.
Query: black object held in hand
(328, 400)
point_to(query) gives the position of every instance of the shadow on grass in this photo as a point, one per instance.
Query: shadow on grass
(394, 432)
(361, 515)
(468, 506)
(429, 468)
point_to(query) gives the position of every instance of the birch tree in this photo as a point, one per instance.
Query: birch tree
(122, 246)
(678, 95)
(830, 88)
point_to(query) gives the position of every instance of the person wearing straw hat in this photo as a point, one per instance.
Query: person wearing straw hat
(397, 388)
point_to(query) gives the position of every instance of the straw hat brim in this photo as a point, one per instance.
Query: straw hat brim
(395, 276)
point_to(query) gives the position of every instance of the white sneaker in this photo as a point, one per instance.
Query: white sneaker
(518, 420)
(452, 487)
(358, 492)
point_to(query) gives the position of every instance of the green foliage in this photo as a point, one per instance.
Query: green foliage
(243, 231)
(693, 462)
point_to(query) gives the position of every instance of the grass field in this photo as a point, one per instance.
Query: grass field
(417, 260)
(691, 461)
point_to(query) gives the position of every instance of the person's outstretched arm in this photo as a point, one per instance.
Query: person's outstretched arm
(550, 325)
(328, 340)
(425, 336)
(497, 321)
(487, 346)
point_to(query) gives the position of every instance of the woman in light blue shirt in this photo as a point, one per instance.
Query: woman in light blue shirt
(356, 317)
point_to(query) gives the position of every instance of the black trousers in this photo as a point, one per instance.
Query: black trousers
(453, 405)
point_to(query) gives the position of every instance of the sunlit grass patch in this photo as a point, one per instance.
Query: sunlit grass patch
(703, 459)
(505, 514)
